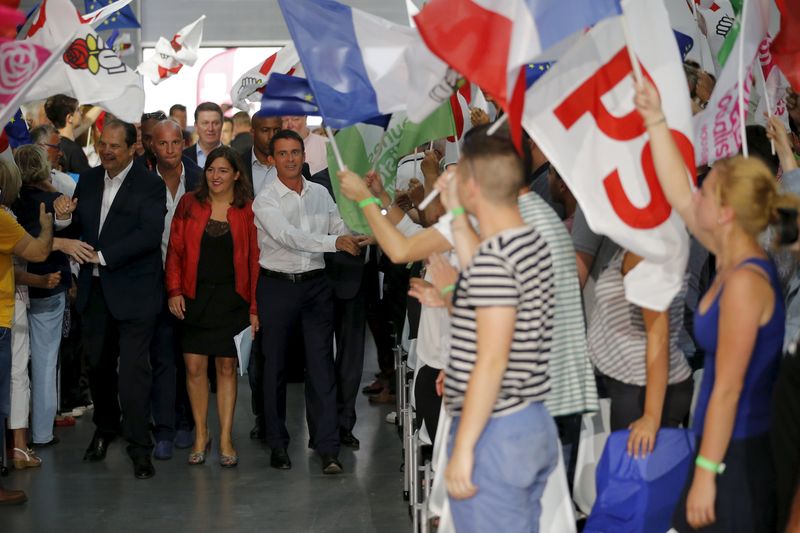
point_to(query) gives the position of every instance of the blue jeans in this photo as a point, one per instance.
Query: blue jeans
(45, 322)
(513, 459)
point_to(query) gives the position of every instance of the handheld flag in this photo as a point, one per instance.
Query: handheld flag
(786, 46)
(170, 56)
(123, 18)
(284, 61)
(21, 64)
(17, 131)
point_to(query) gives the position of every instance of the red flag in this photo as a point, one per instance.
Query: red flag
(786, 46)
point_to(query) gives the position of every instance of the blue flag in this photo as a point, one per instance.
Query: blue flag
(124, 18)
(17, 131)
(291, 95)
(685, 43)
(534, 71)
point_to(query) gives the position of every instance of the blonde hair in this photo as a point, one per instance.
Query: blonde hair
(750, 189)
(32, 162)
(10, 182)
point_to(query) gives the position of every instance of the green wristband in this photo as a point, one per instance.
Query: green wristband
(457, 211)
(711, 466)
(371, 200)
(450, 288)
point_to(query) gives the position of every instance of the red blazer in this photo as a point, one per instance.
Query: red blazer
(183, 252)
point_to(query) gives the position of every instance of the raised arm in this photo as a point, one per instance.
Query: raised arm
(669, 164)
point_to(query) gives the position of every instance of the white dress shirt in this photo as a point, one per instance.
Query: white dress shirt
(201, 155)
(263, 174)
(172, 203)
(316, 152)
(294, 230)
(111, 187)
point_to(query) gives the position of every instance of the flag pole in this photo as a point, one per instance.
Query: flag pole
(493, 128)
(742, 114)
(336, 153)
(637, 68)
(697, 34)
(767, 103)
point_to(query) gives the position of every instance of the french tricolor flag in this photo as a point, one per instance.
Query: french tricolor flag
(354, 61)
(489, 41)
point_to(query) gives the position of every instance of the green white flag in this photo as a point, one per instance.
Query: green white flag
(363, 144)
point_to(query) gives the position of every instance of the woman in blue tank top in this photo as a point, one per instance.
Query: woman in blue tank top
(739, 323)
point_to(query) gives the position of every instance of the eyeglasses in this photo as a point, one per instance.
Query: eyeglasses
(155, 115)
(53, 146)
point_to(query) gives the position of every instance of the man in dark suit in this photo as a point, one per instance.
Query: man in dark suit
(208, 125)
(169, 399)
(351, 278)
(118, 209)
(242, 140)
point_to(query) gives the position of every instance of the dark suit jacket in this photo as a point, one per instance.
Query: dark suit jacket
(130, 241)
(242, 143)
(344, 270)
(191, 153)
(192, 172)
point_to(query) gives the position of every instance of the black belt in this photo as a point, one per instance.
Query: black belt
(294, 278)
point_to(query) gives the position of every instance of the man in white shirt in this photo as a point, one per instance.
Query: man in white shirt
(297, 222)
(316, 145)
(208, 125)
(168, 394)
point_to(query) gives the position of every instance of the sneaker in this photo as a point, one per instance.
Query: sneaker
(391, 418)
(184, 439)
(163, 450)
(77, 412)
(64, 420)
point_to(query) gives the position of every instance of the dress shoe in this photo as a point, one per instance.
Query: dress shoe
(374, 388)
(163, 451)
(347, 438)
(97, 448)
(184, 439)
(143, 467)
(258, 432)
(331, 465)
(12, 497)
(280, 459)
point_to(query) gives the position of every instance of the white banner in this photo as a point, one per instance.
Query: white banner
(582, 117)
(717, 129)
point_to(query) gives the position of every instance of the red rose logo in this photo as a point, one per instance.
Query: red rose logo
(77, 55)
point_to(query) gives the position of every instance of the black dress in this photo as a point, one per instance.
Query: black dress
(217, 313)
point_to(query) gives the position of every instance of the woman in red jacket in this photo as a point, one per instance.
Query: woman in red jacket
(211, 272)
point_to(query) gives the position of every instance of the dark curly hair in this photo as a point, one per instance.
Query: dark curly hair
(242, 188)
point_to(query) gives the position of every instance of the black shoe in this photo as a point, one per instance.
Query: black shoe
(347, 438)
(97, 448)
(258, 432)
(143, 467)
(280, 459)
(331, 465)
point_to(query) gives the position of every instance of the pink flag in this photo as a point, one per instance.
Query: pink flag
(21, 64)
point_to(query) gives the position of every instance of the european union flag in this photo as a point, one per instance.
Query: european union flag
(291, 95)
(685, 43)
(534, 71)
(17, 131)
(124, 18)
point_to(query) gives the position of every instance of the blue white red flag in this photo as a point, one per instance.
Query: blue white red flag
(355, 62)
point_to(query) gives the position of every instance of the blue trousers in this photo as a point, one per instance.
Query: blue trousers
(513, 459)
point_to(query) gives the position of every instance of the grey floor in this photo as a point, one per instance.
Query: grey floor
(68, 495)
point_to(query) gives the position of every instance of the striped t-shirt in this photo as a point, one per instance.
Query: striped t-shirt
(510, 269)
(617, 337)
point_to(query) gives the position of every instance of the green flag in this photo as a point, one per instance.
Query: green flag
(730, 39)
(361, 144)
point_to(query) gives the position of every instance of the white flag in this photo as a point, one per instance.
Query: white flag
(582, 116)
(88, 70)
(774, 84)
(717, 129)
(170, 56)
(284, 61)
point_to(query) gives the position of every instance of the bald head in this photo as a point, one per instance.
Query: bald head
(167, 144)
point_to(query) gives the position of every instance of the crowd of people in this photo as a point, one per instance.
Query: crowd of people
(132, 255)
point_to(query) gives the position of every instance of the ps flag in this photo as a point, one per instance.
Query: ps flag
(284, 61)
(581, 115)
(171, 55)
